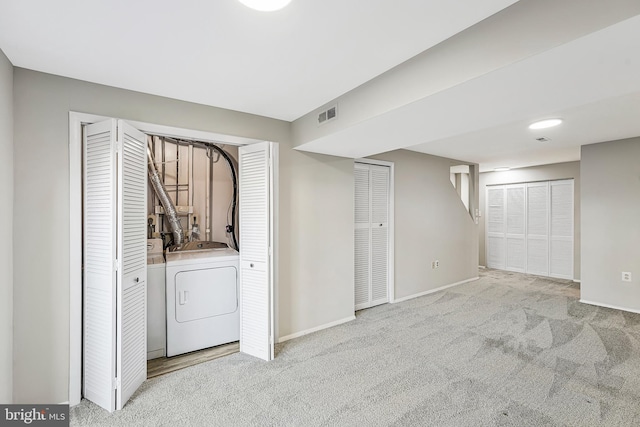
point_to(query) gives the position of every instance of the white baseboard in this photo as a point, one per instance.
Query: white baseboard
(615, 307)
(482, 266)
(64, 403)
(430, 291)
(316, 329)
(577, 281)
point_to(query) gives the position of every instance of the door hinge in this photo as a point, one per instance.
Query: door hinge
(116, 383)
(116, 265)
(270, 250)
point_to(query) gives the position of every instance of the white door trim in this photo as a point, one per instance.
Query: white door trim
(391, 227)
(76, 120)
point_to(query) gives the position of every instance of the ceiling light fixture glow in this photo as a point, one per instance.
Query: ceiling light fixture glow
(543, 124)
(265, 5)
(502, 169)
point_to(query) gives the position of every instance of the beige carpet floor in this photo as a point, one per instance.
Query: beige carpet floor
(507, 349)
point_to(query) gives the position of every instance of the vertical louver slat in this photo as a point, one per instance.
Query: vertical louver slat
(99, 253)
(380, 195)
(362, 195)
(495, 252)
(515, 210)
(495, 203)
(379, 255)
(362, 266)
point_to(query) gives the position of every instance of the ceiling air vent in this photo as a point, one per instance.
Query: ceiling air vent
(543, 139)
(327, 115)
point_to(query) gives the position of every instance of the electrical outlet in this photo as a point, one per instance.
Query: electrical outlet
(435, 264)
(626, 276)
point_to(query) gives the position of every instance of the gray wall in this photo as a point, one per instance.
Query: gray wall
(6, 219)
(316, 244)
(431, 223)
(610, 230)
(316, 247)
(532, 174)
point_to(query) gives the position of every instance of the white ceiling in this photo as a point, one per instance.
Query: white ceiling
(285, 64)
(592, 83)
(278, 64)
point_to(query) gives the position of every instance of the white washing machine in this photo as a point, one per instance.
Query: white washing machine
(156, 309)
(202, 299)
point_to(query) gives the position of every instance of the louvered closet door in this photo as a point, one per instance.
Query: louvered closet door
(561, 229)
(515, 228)
(496, 227)
(132, 253)
(362, 235)
(379, 234)
(530, 228)
(371, 235)
(538, 228)
(114, 251)
(256, 242)
(99, 254)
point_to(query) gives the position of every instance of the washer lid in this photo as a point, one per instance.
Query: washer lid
(216, 254)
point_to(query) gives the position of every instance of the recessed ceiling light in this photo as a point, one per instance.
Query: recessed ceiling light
(265, 5)
(502, 169)
(543, 124)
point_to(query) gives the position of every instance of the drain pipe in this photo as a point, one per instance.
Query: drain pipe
(165, 201)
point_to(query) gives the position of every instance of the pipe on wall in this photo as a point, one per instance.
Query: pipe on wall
(169, 209)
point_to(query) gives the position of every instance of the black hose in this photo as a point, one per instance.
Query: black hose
(234, 179)
(235, 192)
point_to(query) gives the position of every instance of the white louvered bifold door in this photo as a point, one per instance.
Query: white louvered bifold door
(496, 227)
(256, 242)
(99, 254)
(114, 255)
(561, 229)
(371, 244)
(379, 234)
(515, 228)
(132, 256)
(362, 235)
(530, 228)
(538, 228)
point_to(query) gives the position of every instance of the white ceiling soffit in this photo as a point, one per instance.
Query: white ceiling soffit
(278, 64)
(515, 145)
(579, 77)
